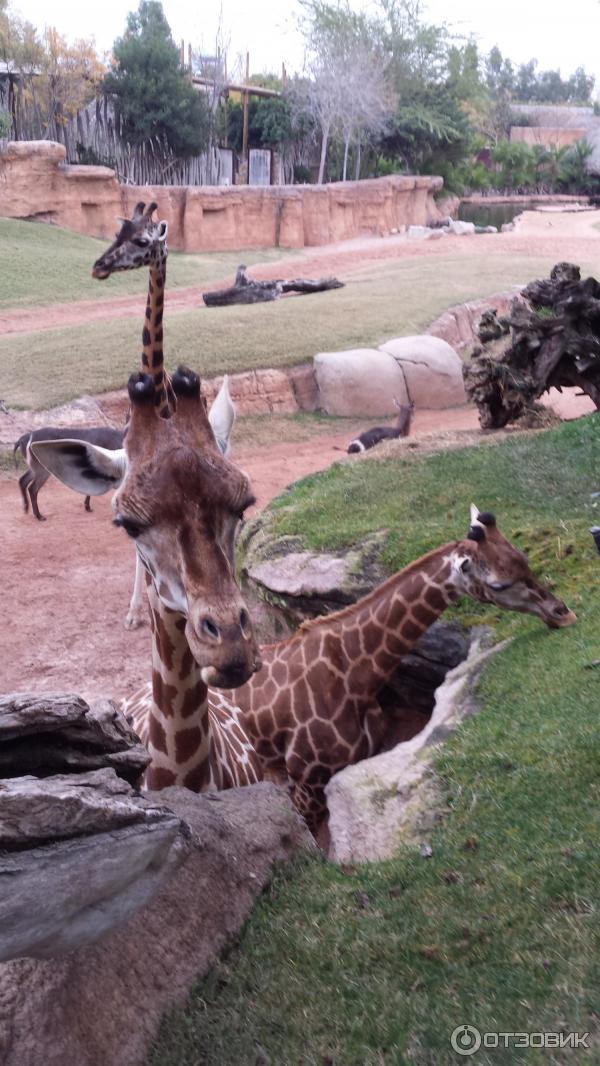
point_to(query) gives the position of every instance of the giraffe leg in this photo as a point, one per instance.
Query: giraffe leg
(23, 483)
(138, 610)
(309, 801)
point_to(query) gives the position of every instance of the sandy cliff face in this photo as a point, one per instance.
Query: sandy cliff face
(36, 183)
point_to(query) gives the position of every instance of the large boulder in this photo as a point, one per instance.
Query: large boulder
(102, 1005)
(79, 854)
(431, 368)
(361, 381)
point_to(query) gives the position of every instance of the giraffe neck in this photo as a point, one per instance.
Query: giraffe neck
(388, 622)
(152, 335)
(178, 730)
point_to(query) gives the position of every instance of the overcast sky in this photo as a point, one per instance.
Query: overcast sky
(557, 35)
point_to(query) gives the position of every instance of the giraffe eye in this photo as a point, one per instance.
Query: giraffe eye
(133, 529)
(141, 242)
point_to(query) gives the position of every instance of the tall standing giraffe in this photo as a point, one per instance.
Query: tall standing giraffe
(313, 709)
(181, 500)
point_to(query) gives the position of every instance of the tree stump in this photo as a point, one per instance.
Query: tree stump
(549, 339)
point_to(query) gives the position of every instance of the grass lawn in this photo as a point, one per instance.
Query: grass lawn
(500, 927)
(42, 264)
(382, 300)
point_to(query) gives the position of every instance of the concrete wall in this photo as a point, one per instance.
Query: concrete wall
(36, 183)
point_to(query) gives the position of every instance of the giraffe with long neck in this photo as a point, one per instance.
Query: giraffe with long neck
(180, 500)
(313, 707)
(143, 242)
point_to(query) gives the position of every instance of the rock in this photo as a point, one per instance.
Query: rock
(419, 233)
(283, 583)
(486, 229)
(458, 325)
(361, 381)
(431, 368)
(392, 799)
(102, 1005)
(79, 854)
(42, 735)
(412, 688)
(507, 227)
(37, 184)
(461, 229)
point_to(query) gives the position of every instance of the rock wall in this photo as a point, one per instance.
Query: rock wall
(36, 183)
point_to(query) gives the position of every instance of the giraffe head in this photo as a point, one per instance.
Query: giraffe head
(139, 242)
(180, 500)
(489, 568)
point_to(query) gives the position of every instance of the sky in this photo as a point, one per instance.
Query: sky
(556, 35)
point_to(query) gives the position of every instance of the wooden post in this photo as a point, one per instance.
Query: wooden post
(246, 110)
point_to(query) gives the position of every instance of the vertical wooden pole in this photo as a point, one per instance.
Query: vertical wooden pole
(246, 110)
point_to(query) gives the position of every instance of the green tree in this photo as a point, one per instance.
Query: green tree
(155, 99)
(430, 131)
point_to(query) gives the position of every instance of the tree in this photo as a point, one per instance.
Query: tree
(155, 99)
(346, 90)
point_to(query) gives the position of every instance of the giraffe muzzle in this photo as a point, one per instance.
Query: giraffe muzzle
(100, 273)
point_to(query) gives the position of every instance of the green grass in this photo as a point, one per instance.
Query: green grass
(387, 299)
(499, 928)
(42, 264)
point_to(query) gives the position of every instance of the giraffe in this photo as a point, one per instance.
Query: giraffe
(180, 500)
(313, 709)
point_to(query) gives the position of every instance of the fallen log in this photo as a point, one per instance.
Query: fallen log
(549, 339)
(245, 290)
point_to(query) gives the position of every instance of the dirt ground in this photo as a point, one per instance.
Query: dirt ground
(66, 582)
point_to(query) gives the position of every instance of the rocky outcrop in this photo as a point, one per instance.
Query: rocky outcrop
(432, 370)
(361, 381)
(80, 850)
(79, 854)
(283, 583)
(36, 183)
(393, 799)
(102, 1004)
(45, 735)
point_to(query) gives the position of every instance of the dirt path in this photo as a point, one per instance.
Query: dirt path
(561, 235)
(66, 582)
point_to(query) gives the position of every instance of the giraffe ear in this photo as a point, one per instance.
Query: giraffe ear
(83, 467)
(222, 416)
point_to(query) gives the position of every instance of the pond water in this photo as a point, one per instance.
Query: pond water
(492, 214)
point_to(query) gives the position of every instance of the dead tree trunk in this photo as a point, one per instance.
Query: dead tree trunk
(551, 338)
(247, 291)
